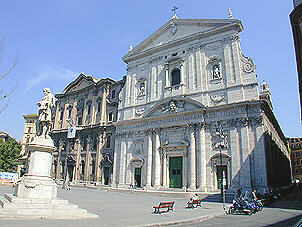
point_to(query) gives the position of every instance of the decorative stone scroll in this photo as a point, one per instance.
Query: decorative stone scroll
(247, 64)
(140, 111)
(217, 98)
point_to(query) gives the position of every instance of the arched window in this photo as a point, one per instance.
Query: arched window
(175, 77)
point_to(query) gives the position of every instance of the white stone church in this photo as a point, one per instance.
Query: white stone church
(190, 113)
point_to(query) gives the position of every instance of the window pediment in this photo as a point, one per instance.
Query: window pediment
(172, 106)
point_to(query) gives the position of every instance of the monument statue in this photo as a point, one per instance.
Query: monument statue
(35, 193)
(45, 113)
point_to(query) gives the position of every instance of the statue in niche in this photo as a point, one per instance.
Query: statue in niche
(142, 88)
(45, 108)
(216, 72)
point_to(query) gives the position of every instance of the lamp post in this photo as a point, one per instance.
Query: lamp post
(70, 136)
(220, 134)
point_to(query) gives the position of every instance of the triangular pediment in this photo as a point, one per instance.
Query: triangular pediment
(81, 82)
(173, 106)
(179, 29)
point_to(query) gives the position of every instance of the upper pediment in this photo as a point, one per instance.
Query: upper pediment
(180, 29)
(79, 83)
(172, 106)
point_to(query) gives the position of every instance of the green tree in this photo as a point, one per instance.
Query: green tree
(9, 155)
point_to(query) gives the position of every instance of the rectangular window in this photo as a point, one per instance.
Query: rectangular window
(175, 77)
(88, 109)
(79, 120)
(69, 113)
(29, 129)
(84, 144)
(61, 115)
(108, 144)
(110, 117)
(95, 143)
(113, 94)
(99, 107)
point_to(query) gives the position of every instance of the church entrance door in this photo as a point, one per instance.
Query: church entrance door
(175, 172)
(220, 170)
(106, 176)
(138, 177)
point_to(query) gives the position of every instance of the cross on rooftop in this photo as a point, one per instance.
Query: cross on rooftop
(174, 10)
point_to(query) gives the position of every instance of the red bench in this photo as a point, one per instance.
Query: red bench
(168, 205)
(196, 202)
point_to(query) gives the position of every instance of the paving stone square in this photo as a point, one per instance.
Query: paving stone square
(121, 208)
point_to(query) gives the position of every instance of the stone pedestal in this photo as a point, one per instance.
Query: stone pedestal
(36, 193)
(37, 183)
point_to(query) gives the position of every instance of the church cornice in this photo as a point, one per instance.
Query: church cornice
(250, 108)
(136, 53)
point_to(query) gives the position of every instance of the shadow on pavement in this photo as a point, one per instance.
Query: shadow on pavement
(292, 200)
(294, 222)
(217, 198)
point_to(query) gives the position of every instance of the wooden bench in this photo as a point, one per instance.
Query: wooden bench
(168, 205)
(196, 202)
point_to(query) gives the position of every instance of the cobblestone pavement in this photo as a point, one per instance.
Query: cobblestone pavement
(134, 208)
(285, 212)
(120, 208)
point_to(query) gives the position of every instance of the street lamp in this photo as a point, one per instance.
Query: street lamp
(220, 134)
(70, 136)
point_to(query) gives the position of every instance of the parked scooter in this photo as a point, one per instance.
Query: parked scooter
(243, 205)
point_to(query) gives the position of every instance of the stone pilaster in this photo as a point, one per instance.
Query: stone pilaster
(157, 166)
(165, 170)
(202, 171)
(88, 159)
(104, 105)
(192, 160)
(149, 159)
(78, 147)
(115, 160)
(122, 163)
(245, 176)
(99, 157)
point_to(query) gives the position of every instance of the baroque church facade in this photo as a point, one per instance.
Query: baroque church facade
(188, 115)
(91, 105)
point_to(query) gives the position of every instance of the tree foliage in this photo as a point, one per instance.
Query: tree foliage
(9, 155)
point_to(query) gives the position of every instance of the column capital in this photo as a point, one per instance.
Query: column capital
(149, 132)
(156, 130)
(77, 140)
(192, 127)
(201, 125)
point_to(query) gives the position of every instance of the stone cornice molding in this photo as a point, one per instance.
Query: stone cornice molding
(137, 52)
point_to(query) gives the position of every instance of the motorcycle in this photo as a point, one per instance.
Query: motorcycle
(243, 206)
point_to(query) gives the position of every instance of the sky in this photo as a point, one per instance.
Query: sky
(56, 40)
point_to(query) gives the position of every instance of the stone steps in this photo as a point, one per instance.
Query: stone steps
(36, 205)
(14, 199)
(14, 207)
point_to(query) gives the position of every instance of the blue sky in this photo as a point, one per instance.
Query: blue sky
(58, 39)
